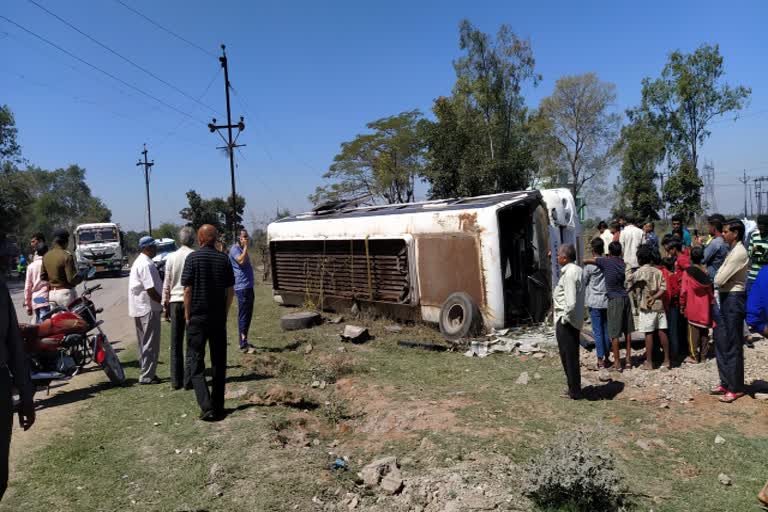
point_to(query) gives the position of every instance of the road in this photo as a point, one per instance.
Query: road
(55, 409)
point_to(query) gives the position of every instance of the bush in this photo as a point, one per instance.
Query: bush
(574, 475)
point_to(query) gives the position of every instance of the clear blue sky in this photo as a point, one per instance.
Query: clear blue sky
(309, 75)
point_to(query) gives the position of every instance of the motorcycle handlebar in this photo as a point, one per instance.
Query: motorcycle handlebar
(93, 289)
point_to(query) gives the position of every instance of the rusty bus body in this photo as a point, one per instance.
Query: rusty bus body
(407, 260)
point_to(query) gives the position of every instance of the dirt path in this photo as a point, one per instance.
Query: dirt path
(54, 411)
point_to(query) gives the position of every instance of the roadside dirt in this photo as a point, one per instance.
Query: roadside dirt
(54, 410)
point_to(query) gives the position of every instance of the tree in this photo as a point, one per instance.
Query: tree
(384, 164)
(682, 102)
(10, 151)
(167, 230)
(59, 199)
(688, 95)
(216, 211)
(682, 191)
(642, 149)
(578, 132)
(480, 142)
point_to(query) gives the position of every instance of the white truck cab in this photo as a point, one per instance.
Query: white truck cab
(100, 245)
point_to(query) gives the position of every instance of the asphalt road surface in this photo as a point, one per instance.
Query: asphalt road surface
(113, 297)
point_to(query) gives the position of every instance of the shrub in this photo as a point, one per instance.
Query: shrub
(572, 474)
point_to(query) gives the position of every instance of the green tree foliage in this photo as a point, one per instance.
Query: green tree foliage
(642, 150)
(57, 199)
(682, 102)
(577, 133)
(10, 151)
(383, 164)
(216, 211)
(480, 142)
(167, 230)
(14, 201)
(682, 191)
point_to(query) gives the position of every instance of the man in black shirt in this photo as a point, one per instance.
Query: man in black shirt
(13, 371)
(208, 283)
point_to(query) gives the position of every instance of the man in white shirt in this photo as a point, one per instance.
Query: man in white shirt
(605, 235)
(173, 304)
(568, 300)
(631, 239)
(144, 305)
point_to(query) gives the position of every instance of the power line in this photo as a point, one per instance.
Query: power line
(205, 91)
(126, 59)
(161, 27)
(107, 73)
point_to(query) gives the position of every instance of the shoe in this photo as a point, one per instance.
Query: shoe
(154, 380)
(247, 348)
(718, 390)
(730, 397)
(209, 415)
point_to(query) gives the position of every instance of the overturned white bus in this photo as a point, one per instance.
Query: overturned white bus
(465, 264)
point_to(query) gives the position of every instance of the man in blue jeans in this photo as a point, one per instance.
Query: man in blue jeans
(241, 266)
(596, 299)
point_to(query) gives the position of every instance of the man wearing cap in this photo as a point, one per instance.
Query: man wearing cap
(145, 306)
(60, 270)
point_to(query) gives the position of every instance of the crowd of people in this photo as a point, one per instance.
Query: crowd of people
(690, 296)
(195, 296)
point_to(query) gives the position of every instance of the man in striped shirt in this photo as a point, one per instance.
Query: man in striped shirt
(758, 249)
(208, 284)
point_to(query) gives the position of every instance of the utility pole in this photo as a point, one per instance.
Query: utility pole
(230, 144)
(745, 180)
(147, 166)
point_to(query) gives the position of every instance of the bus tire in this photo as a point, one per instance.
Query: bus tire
(459, 317)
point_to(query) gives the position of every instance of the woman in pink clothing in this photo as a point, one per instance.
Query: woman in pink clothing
(35, 289)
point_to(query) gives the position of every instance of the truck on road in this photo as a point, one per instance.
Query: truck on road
(102, 246)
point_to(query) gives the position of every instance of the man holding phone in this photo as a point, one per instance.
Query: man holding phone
(241, 266)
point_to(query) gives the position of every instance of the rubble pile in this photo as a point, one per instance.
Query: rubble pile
(481, 482)
(683, 382)
(529, 340)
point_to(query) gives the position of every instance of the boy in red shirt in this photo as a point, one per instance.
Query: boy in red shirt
(678, 325)
(697, 296)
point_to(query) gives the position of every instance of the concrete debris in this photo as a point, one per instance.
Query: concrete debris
(394, 328)
(236, 394)
(336, 320)
(761, 396)
(308, 348)
(355, 334)
(373, 473)
(724, 479)
(522, 379)
(481, 482)
(719, 440)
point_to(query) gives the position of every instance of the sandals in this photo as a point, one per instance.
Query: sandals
(729, 397)
(718, 390)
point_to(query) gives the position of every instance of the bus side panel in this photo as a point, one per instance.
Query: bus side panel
(448, 264)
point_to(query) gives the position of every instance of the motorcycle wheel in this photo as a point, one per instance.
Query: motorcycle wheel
(111, 364)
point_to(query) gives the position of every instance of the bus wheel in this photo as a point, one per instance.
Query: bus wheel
(459, 317)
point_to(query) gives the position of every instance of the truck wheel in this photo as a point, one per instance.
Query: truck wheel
(459, 317)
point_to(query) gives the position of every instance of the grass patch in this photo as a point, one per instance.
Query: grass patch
(431, 409)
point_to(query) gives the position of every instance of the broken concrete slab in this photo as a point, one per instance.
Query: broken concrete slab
(355, 334)
(374, 473)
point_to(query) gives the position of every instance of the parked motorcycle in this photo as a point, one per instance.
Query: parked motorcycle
(68, 339)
